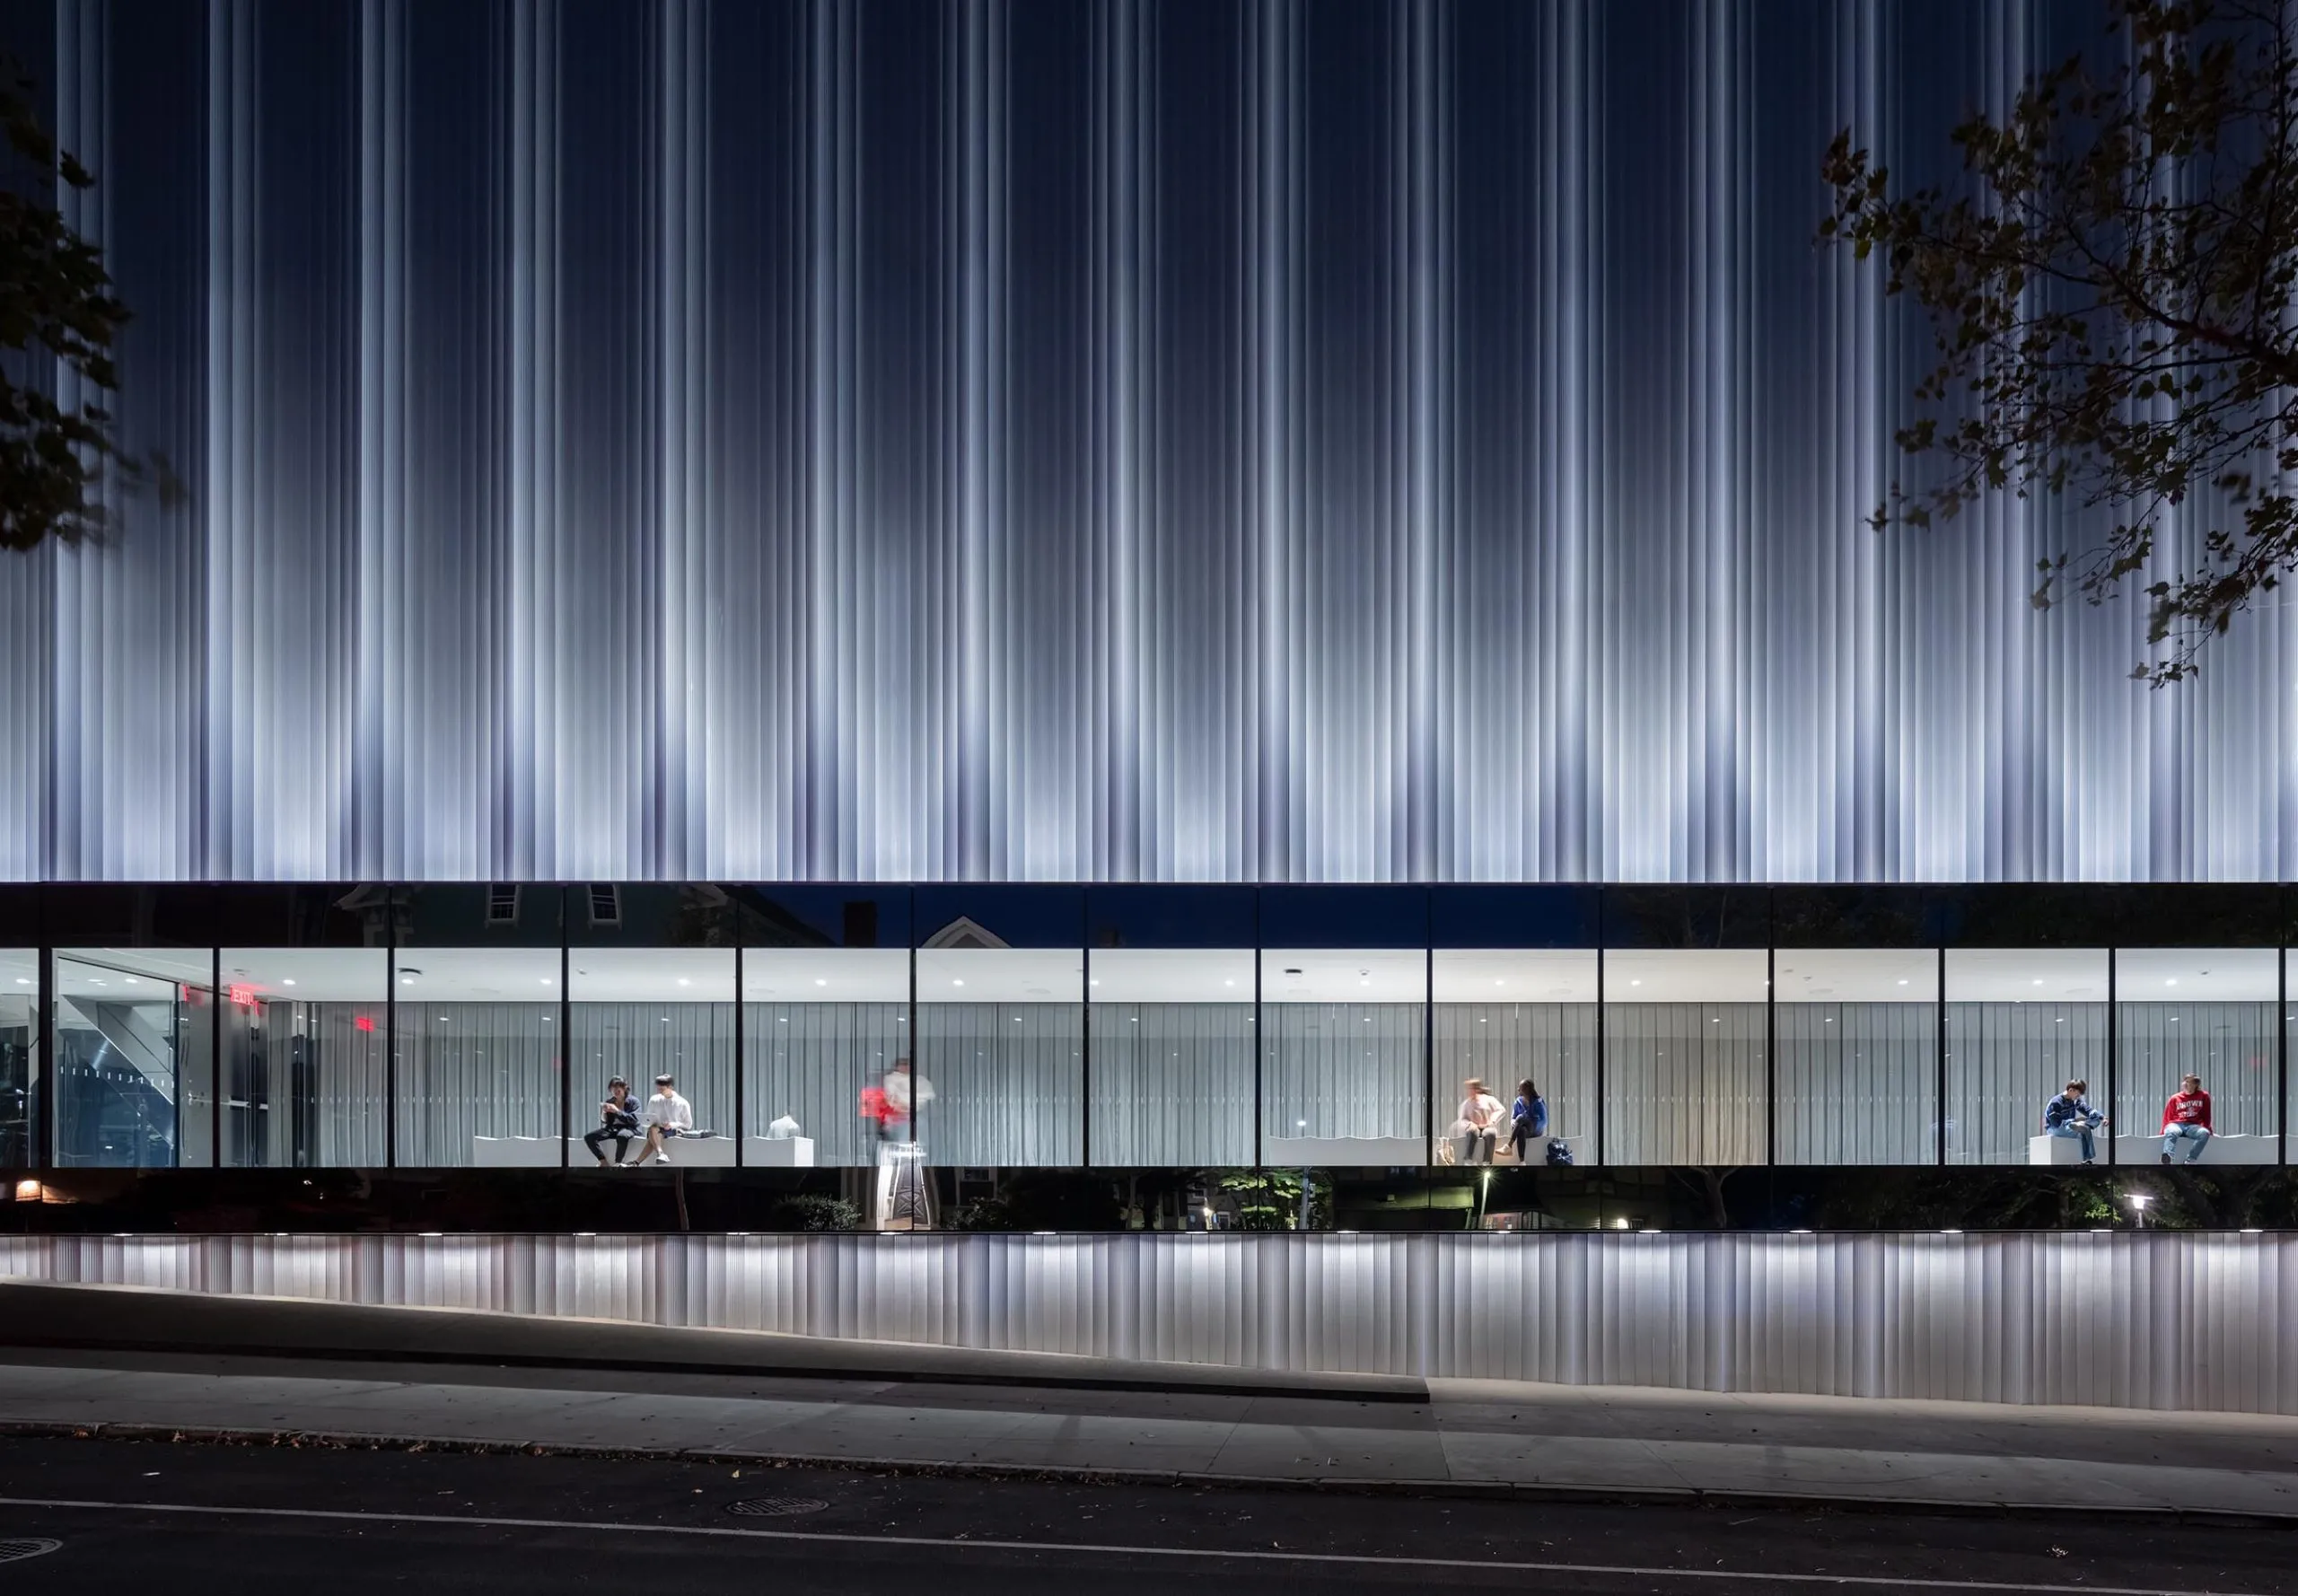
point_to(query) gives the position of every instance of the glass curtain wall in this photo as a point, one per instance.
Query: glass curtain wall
(1344, 1078)
(1857, 1071)
(1000, 1077)
(135, 1044)
(477, 1032)
(639, 1013)
(2209, 1012)
(305, 1034)
(20, 1082)
(2021, 1023)
(1173, 1056)
(820, 1027)
(1504, 1017)
(1684, 1065)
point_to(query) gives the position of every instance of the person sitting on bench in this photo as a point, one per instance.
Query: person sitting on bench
(617, 1123)
(2070, 1114)
(667, 1115)
(2186, 1121)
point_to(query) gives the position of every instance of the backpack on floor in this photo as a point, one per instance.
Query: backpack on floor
(1559, 1153)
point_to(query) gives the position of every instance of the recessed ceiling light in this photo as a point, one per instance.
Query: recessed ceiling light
(1096, 981)
(954, 981)
(288, 982)
(684, 982)
(1636, 983)
(2171, 982)
(2038, 980)
(1902, 980)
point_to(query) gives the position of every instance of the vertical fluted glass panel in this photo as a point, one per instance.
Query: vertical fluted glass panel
(1173, 1084)
(1317, 440)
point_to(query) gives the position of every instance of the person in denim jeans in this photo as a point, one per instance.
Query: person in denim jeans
(2186, 1120)
(2070, 1114)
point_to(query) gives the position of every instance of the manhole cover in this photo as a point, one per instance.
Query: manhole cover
(16, 1551)
(775, 1507)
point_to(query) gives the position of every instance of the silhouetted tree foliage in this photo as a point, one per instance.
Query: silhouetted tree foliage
(59, 316)
(2109, 291)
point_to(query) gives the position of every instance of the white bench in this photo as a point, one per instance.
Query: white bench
(2146, 1150)
(2217, 1150)
(1364, 1151)
(542, 1153)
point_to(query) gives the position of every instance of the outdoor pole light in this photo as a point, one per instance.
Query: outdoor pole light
(2138, 1201)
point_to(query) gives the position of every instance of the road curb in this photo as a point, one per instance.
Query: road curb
(1169, 1478)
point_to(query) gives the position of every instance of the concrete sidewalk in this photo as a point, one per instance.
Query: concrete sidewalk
(138, 1319)
(1467, 1437)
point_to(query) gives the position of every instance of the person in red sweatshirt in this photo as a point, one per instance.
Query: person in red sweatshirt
(2186, 1118)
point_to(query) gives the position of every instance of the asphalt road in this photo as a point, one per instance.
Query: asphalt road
(186, 1518)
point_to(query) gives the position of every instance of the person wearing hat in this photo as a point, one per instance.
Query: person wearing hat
(617, 1123)
(667, 1115)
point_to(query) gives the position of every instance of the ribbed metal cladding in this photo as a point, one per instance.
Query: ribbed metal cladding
(2157, 1320)
(1317, 440)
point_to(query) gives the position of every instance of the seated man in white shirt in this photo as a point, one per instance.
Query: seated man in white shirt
(666, 1115)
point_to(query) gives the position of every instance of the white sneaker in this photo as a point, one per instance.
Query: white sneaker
(661, 1158)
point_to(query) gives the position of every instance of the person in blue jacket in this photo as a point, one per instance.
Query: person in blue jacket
(1528, 1120)
(2070, 1114)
